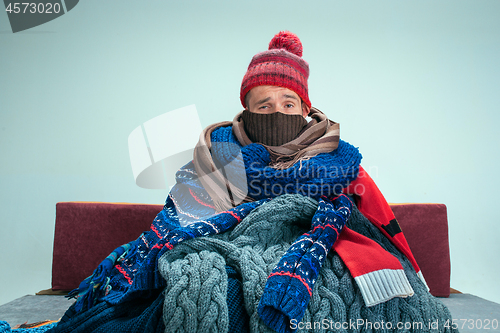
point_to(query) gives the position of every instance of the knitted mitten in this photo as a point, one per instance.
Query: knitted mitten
(289, 286)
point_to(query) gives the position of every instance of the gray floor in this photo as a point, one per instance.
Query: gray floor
(472, 313)
(34, 308)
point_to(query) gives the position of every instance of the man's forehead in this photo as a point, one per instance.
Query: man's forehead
(266, 92)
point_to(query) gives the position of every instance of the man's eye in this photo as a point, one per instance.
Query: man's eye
(263, 107)
(289, 106)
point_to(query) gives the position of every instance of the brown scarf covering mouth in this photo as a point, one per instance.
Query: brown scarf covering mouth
(272, 129)
(320, 135)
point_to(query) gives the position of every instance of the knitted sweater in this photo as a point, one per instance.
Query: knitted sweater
(144, 314)
(194, 295)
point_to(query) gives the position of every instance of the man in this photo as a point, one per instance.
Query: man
(275, 84)
(258, 233)
(274, 94)
(282, 153)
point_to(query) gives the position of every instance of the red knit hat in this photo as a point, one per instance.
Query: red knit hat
(282, 65)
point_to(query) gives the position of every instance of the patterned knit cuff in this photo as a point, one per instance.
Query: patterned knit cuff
(284, 300)
(382, 285)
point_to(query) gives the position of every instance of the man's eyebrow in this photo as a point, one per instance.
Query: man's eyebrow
(290, 96)
(263, 100)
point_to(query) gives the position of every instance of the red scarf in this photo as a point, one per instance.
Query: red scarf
(379, 274)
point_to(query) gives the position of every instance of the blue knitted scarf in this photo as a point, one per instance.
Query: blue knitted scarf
(325, 174)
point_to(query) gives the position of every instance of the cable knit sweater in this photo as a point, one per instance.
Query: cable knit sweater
(195, 275)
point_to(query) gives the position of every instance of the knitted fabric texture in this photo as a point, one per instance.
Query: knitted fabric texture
(289, 287)
(281, 65)
(291, 281)
(145, 315)
(198, 283)
(91, 284)
(141, 315)
(351, 246)
(136, 271)
(256, 245)
(230, 189)
(5, 328)
(238, 317)
(325, 174)
(320, 135)
(203, 295)
(272, 129)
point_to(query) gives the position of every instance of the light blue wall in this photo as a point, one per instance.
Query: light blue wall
(414, 84)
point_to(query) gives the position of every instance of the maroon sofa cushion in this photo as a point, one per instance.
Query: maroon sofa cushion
(425, 227)
(87, 232)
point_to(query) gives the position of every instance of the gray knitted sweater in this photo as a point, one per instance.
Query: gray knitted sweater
(194, 271)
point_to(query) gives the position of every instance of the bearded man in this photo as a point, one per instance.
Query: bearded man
(274, 226)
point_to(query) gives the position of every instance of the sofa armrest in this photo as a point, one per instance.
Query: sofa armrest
(425, 227)
(87, 232)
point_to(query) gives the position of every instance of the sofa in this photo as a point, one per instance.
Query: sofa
(86, 232)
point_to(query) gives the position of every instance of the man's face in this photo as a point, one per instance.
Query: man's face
(270, 99)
